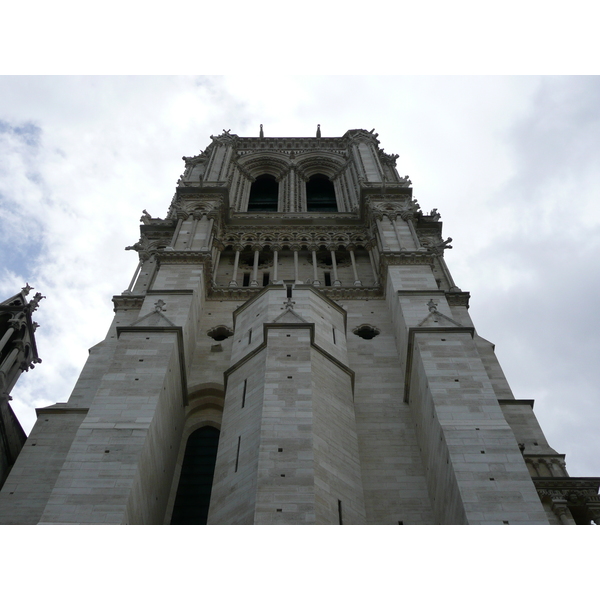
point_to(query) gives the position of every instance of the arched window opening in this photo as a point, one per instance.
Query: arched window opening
(320, 194)
(264, 193)
(195, 483)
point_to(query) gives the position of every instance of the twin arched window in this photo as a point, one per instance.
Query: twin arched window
(320, 194)
(264, 194)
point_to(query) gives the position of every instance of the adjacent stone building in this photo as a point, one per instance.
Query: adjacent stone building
(292, 349)
(18, 354)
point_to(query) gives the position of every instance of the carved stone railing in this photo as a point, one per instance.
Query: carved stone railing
(574, 500)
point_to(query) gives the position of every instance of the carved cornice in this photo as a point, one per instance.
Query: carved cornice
(231, 293)
(352, 293)
(128, 302)
(289, 145)
(574, 491)
(213, 190)
(458, 298)
(289, 216)
(407, 258)
(172, 257)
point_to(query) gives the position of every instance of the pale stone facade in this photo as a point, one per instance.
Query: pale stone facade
(320, 337)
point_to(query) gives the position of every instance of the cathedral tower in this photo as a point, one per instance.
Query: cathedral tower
(292, 349)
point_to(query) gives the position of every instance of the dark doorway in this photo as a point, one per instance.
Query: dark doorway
(195, 483)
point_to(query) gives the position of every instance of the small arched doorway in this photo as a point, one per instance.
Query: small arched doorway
(195, 482)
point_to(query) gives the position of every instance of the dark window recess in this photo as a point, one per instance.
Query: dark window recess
(250, 336)
(263, 194)
(244, 393)
(320, 194)
(289, 291)
(265, 279)
(219, 333)
(327, 278)
(333, 330)
(237, 455)
(246, 280)
(366, 332)
(195, 483)
(340, 512)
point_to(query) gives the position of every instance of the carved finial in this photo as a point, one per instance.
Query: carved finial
(26, 289)
(318, 131)
(158, 306)
(432, 306)
(289, 303)
(435, 214)
(145, 218)
(262, 133)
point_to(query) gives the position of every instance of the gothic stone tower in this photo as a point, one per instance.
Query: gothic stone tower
(292, 349)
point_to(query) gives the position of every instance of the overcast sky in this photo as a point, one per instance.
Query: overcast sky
(511, 163)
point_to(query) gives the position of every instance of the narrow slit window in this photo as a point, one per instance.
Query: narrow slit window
(246, 281)
(340, 512)
(327, 278)
(265, 279)
(250, 336)
(244, 393)
(237, 455)
(289, 291)
(333, 331)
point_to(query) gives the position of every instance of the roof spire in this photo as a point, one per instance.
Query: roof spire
(262, 133)
(318, 130)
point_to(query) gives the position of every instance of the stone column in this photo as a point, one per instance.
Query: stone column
(392, 218)
(216, 266)
(9, 361)
(357, 281)
(594, 511)
(275, 262)
(233, 282)
(210, 234)
(446, 271)
(9, 332)
(556, 467)
(408, 217)
(381, 236)
(132, 282)
(295, 249)
(196, 216)
(254, 282)
(336, 281)
(316, 281)
(375, 275)
(181, 217)
(559, 507)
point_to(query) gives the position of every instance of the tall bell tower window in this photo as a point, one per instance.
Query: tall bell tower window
(264, 194)
(320, 194)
